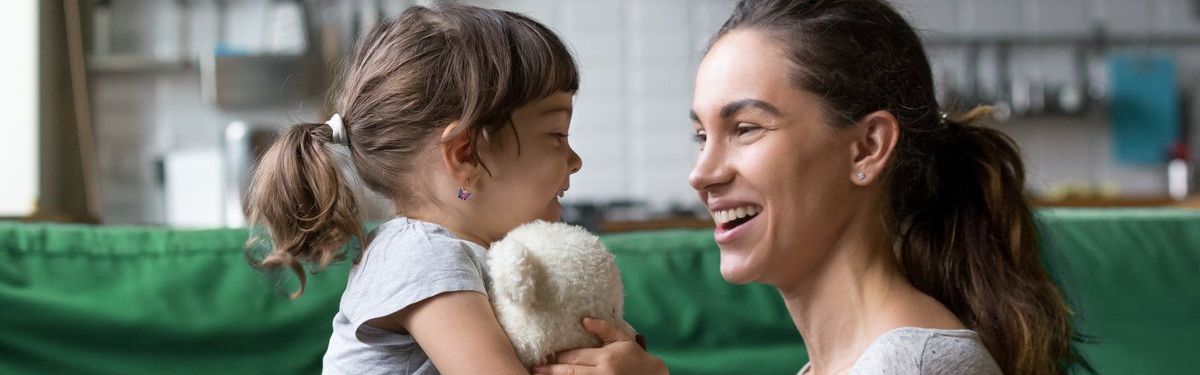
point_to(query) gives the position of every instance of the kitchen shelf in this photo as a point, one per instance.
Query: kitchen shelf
(1095, 40)
(118, 64)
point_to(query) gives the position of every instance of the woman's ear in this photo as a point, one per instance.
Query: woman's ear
(458, 153)
(875, 140)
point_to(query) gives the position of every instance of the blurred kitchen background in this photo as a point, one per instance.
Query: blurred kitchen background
(151, 111)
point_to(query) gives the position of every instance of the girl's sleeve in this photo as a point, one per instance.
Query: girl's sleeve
(398, 273)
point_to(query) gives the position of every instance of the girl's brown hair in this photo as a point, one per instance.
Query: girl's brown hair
(410, 77)
(965, 231)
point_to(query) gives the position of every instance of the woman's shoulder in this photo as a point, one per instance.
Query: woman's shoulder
(912, 350)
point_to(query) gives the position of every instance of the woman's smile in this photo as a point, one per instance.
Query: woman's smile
(733, 222)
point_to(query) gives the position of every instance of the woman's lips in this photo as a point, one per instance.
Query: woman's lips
(728, 232)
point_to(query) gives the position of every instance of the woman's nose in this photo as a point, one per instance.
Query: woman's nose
(711, 169)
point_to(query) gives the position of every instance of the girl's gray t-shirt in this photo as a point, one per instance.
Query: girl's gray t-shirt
(407, 261)
(922, 351)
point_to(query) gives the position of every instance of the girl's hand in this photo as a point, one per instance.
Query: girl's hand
(619, 354)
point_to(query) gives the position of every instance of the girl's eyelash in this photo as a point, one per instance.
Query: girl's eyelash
(699, 137)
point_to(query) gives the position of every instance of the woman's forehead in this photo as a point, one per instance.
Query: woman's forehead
(742, 65)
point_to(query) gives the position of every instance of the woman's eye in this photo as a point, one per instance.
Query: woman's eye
(560, 136)
(699, 137)
(744, 129)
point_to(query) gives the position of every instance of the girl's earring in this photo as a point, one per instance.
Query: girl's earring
(463, 194)
(862, 176)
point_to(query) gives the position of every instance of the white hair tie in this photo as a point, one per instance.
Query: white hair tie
(339, 130)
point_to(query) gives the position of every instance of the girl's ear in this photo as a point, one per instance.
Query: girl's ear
(458, 156)
(875, 141)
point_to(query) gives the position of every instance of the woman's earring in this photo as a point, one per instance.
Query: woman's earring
(463, 194)
(862, 176)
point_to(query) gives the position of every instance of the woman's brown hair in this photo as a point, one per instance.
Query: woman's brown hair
(410, 77)
(965, 232)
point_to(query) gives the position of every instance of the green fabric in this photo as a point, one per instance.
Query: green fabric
(1131, 276)
(692, 318)
(135, 300)
(105, 300)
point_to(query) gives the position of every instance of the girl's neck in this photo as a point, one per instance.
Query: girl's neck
(453, 223)
(843, 307)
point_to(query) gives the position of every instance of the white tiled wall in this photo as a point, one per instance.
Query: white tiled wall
(632, 130)
(637, 60)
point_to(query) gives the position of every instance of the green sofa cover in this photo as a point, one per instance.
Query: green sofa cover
(138, 300)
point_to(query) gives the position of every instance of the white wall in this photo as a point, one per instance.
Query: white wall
(637, 60)
(18, 104)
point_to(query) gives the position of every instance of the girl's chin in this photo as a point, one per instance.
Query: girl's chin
(553, 214)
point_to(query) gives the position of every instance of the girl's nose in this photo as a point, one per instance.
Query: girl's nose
(574, 162)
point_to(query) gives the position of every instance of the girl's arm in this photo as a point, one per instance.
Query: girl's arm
(459, 332)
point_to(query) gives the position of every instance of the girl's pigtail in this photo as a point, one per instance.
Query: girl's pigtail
(301, 198)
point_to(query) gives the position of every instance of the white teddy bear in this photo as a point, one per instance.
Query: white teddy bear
(545, 277)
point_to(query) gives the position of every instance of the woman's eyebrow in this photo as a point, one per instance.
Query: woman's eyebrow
(732, 108)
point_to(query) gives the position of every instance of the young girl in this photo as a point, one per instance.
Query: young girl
(459, 116)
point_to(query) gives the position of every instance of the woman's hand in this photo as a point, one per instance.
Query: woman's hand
(619, 354)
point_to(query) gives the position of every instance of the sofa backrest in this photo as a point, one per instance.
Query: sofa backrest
(137, 300)
(1133, 278)
(1131, 275)
(132, 300)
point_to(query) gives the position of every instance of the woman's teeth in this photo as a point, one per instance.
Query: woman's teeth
(725, 216)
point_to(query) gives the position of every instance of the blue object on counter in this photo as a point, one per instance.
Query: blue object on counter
(225, 49)
(1144, 109)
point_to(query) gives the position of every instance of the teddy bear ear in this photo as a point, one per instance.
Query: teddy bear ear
(518, 283)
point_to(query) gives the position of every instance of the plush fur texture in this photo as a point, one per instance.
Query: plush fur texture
(545, 277)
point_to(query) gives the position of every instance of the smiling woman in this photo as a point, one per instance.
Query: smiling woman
(18, 101)
(900, 238)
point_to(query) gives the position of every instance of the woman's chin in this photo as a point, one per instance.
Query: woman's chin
(735, 268)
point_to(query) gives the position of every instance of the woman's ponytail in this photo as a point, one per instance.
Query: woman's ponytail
(967, 237)
(301, 198)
